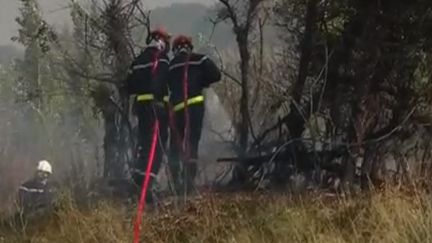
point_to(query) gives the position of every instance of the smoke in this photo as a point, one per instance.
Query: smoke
(70, 137)
(60, 130)
(216, 140)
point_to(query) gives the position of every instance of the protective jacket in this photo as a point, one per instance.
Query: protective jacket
(191, 73)
(145, 83)
(148, 81)
(34, 195)
(200, 74)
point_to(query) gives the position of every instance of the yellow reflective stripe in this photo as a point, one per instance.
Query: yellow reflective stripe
(191, 101)
(166, 99)
(145, 97)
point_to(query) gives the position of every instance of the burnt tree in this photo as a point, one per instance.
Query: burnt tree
(243, 25)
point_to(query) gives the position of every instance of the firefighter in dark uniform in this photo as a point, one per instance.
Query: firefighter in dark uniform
(37, 194)
(147, 80)
(189, 74)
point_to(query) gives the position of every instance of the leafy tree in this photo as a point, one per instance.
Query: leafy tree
(105, 48)
(364, 56)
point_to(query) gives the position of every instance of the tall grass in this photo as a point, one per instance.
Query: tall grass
(382, 217)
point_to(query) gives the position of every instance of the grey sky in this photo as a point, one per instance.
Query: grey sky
(52, 10)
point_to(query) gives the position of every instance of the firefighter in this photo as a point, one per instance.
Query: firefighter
(37, 194)
(189, 74)
(147, 80)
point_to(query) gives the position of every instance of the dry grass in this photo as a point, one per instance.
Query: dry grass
(383, 217)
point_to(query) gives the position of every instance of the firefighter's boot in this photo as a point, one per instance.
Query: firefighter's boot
(176, 178)
(191, 170)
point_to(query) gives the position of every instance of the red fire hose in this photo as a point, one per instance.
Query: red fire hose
(186, 145)
(182, 143)
(142, 201)
(141, 204)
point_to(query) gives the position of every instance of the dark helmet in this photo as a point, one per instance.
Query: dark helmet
(182, 41)
(160, 33)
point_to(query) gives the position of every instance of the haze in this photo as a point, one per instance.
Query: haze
(55, 13)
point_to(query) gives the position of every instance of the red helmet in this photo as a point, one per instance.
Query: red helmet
(162, 33)
(182, 41)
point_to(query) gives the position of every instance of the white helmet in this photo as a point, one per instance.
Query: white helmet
(44, 166)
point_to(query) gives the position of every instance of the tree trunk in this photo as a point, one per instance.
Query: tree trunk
(113, 166)
(239, 173)
(296, 122)
(244, 100)
(117, 142)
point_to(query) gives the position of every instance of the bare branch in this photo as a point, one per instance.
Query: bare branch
(251, 13)
(145, 21)
(230, 76)
(231, 13)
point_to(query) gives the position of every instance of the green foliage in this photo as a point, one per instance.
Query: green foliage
(371, 55)
(45, 114)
